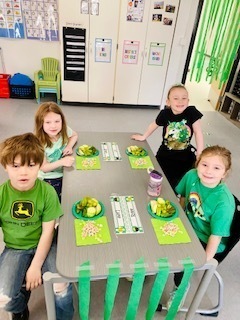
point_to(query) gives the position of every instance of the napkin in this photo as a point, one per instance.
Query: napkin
(88, 163)
(140, 162)
(170, 232)
(90, 232)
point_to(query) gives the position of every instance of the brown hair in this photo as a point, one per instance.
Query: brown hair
(222, 152)
(27, 146)
(177, 85)
(42, 111)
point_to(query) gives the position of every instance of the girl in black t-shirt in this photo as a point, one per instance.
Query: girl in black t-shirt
(179, 121)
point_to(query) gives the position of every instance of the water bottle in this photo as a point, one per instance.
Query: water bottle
(155, 182)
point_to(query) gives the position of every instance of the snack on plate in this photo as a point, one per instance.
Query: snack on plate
(86, 150)
(162, 208)
(136, 151)
(89, 207)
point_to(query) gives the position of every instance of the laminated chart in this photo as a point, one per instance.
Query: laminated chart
(125, 215)
(11, 20)
(41, 19)
(110, 151)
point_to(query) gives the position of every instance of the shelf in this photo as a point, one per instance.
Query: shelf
(231, 106)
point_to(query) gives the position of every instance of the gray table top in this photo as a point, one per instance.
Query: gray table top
(117, 177)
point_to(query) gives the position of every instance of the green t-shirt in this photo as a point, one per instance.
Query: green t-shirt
(53, 154)
(23, 212)
(210, 210)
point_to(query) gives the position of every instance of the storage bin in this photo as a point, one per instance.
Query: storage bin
(22, 92)
(4, 85)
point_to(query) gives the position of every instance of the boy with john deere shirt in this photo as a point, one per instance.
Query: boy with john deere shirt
(28, 210)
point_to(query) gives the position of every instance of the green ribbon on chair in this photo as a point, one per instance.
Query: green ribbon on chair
(136, 290)
(111, 289)
(84, 290)
(158, 287)
(188, 271)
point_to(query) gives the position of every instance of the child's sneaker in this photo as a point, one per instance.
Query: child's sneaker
(24, 315)
(130, 279)
(172, 294)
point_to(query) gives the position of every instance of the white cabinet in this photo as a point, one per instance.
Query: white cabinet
(147, 55)
(142, 83)
(131, 42)
(101, 26)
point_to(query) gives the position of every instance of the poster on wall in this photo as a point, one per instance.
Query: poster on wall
(84, 7)
(41, 19)
(156, 53)
(103, 48)
(94, 7)
(130, 52)
(135, 10)
(90, 6)
(11, 19)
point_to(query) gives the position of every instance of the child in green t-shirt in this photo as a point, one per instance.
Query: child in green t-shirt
(208, 203)
(28, 210)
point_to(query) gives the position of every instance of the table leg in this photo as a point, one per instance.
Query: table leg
(209, 268)
(48, 279)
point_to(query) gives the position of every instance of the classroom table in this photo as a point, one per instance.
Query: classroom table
(118, 178)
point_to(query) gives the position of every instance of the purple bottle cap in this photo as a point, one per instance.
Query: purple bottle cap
(155, 175)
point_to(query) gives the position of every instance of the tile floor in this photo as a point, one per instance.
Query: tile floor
(16, 116)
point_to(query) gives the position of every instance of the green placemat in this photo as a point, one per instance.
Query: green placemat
(140, 162)
(170, 232)
(92, 231)
(85, 163)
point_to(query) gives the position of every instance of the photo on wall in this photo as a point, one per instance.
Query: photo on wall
(158, 4)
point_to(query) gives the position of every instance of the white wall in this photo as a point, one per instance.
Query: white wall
(24, 56)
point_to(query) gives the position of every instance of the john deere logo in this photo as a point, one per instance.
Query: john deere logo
(22, 210)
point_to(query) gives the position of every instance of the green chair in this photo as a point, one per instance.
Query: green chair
(48, 79)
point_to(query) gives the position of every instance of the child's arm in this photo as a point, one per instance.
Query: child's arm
(182, 202)
(212, 245)
(66, 161)
(197, 129)
(34, 275)
(71, 142)
(141, 137)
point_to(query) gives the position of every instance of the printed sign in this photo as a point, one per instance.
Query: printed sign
(130, 52)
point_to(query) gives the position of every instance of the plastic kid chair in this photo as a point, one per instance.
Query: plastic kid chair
(232, 241)
(48, 79)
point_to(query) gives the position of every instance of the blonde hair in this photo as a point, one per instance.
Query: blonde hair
(222, 152)
(27, 146)
(42, 111)
(177, 85)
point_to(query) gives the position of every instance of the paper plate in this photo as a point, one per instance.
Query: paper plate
(93, 155)
(79, 215)
(175, 215)
(145, 153)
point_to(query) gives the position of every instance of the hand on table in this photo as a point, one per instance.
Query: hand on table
(67, 161)
(138, 137)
